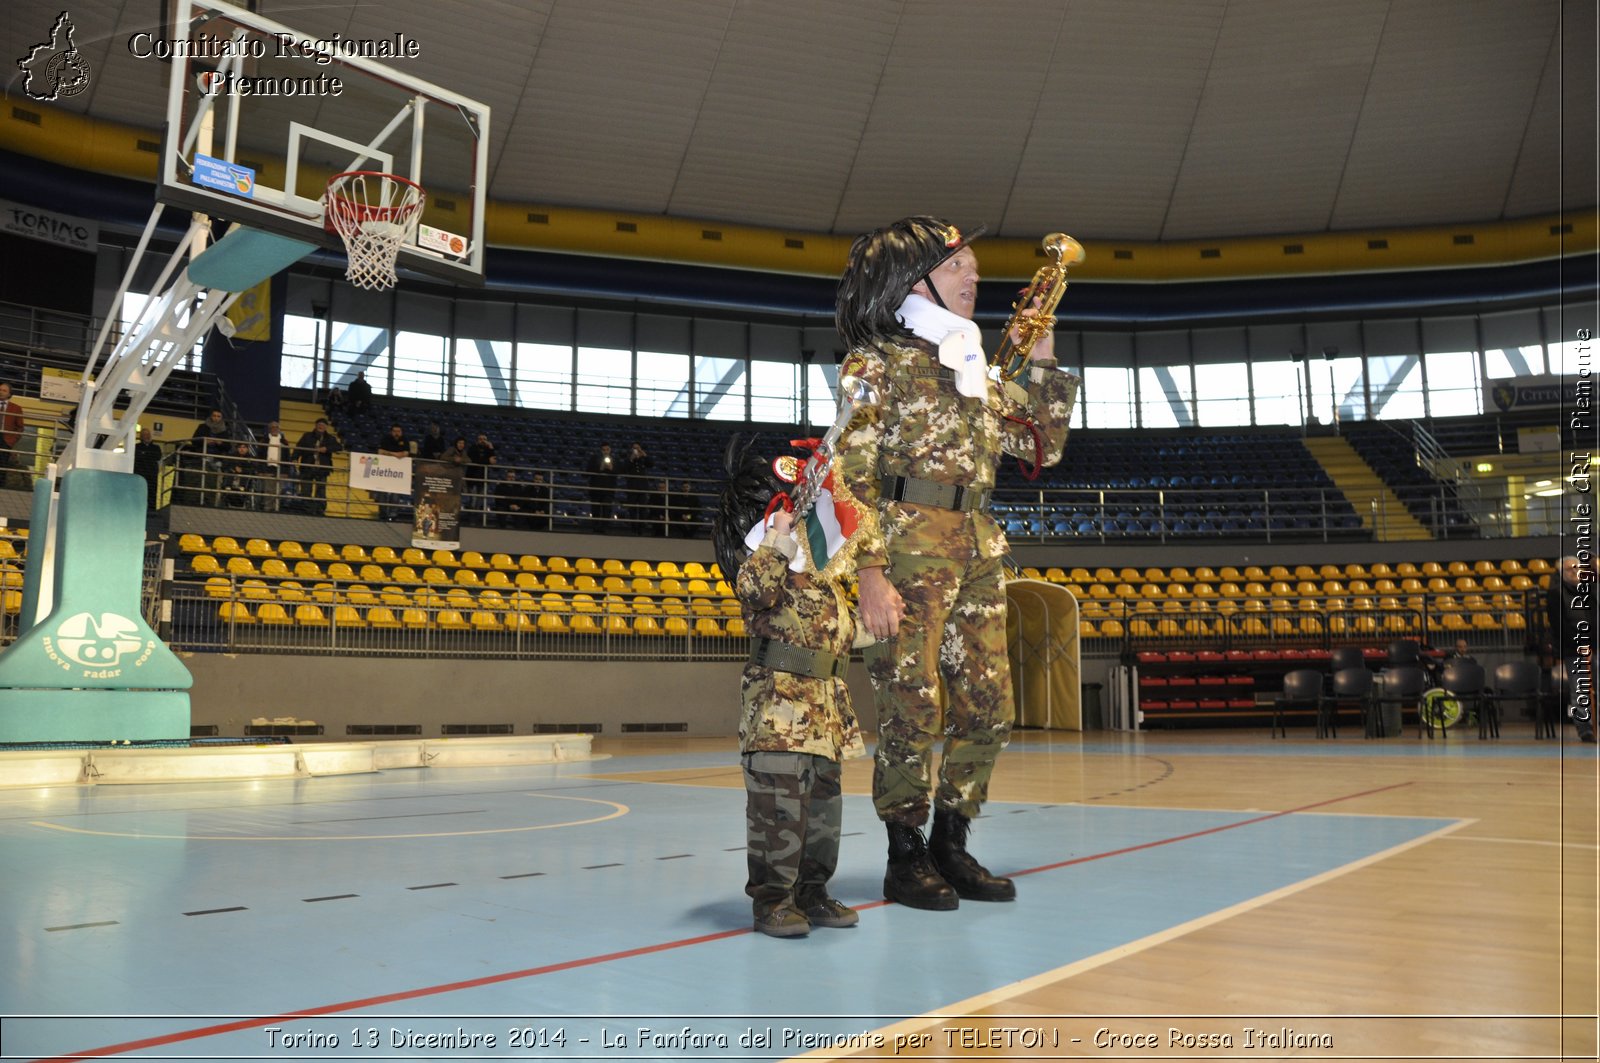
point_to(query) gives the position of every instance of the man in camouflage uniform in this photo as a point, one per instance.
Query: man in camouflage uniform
(796, 726)
(930, 566)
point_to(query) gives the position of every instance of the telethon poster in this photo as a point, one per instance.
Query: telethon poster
(437, 495)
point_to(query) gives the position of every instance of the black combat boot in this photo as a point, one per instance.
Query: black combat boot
(948, 849)
(911, 879)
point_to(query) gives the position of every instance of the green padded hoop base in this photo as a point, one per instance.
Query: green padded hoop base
(244, 258)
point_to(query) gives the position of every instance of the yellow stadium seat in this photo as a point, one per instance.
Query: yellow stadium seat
(190, 543)
(554, 603)
(497, 578)
(617, 625)
(413, 618)
(204, 565)
(613, 567)
(502, 563)
(558, 564)
(531, 563)
(346, 616)
(528, 581)
(435, 575)
(325, 593)
(452, 620)
(445, 559)
(552, 622)
(310, 616)
(274, 615)
(641, 568)
(736, 627)
(646, 606)
(354, 554)
(307, 570)
(556, 581)
(646, 625)
(323, 552)
(404, 574)
(584, 603)
(341, 571)
(485, 620)
(708, 627)
(255, 590)
(290, 550)
(381, 616)
(586, 582)
(668, 568)
(385, 555)
(414, 557)
(274, 568)
(474, 559)
(676, 625)
(226, 545)
(360, 594)
(520, 621)
(492, 599)
(235, 613)
(584, 624)
(730, 607)
(373, 573)
(259, 548)
(468, 577)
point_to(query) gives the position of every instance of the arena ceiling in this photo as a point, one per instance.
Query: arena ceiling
(1148, 120)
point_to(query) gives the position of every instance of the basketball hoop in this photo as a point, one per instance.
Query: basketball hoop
(374, 213)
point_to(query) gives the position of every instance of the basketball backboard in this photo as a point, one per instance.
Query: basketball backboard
(260, 115)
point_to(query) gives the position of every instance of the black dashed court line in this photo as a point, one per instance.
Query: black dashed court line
(219, 911)
(597, 867)
(525, 874)
(736, 849)
(433, 886)
(330, 897)
(675, 856)
(81, 926)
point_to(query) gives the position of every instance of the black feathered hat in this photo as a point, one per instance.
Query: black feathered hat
(884, 265)
(745, 497)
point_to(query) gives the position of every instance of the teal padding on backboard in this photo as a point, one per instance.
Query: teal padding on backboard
(244, 258)
(95, 640)
(41, 553)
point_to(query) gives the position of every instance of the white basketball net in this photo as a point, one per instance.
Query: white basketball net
(374, 214)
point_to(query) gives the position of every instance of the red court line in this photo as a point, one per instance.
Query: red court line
(590, 961)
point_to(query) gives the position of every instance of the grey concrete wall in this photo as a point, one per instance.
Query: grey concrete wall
(232, 689)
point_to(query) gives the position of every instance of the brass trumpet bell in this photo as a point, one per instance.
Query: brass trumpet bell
(1042, 296)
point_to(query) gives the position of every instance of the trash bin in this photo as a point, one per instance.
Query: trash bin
(1094, 718)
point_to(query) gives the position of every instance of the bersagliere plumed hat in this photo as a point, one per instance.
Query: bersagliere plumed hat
(883, 266)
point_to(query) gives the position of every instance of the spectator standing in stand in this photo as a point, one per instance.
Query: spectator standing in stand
(275, 451)
(432, 447)
(481, 458)
(11, 427)
(394, 445)
(541, 502)
(603, 469)
(636, 481)
(315, 453)
(147, 465)
(211, 446)
(359, 395)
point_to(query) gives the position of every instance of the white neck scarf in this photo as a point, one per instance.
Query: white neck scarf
(959, 341)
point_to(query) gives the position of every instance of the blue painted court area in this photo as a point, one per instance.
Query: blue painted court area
(510, 899)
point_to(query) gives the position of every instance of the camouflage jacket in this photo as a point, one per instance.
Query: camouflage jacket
(783, 711)
(921, 427)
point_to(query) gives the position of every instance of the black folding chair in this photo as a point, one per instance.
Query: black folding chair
(1352, 687)
(1519, 681)
(1401, 686)
(1302, 689)
(1346, 657)
(1462, 679)
(1404, 651)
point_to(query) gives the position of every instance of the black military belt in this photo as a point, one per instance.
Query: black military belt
(785, 657)
(932, 493)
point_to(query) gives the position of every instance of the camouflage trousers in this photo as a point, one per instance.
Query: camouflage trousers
(793, 816)
(954, 629)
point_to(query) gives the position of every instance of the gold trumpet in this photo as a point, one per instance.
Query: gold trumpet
(1042, 295)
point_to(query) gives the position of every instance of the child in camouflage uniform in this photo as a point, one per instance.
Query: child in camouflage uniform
(796, 727)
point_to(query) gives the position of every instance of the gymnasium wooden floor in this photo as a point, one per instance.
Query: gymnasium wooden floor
(1184, 895)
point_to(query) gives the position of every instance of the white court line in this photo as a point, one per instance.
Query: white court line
(1527, 841)
(972, 1005)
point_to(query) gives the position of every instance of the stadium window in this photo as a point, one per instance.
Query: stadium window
(544, 376)
(1278, 385)
(663, 384)
(720, 386)
(365, 348)
(1108, 391)
(1501, 363)
(605, 380)
(1454, 389)
(1573, 356)
(298, 366)
(1338, 378)
(419, 366)
(775, 391)
(1166, 397)
(1395, 383)
(133, 303)
(483, 372)
(1222, 394)
(821, 406)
